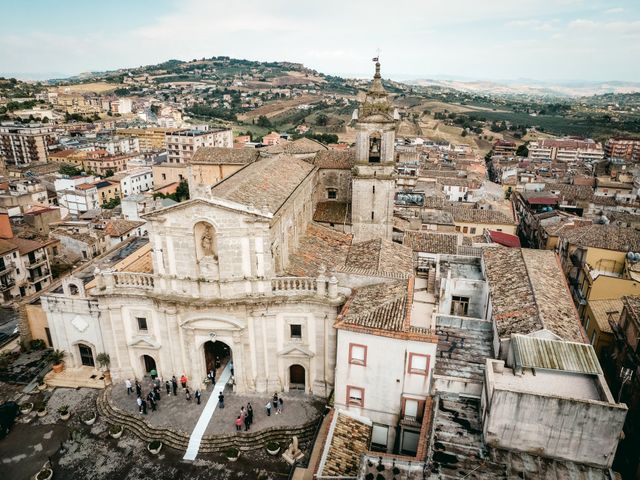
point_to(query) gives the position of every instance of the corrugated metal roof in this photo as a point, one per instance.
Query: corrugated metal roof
(532, 352)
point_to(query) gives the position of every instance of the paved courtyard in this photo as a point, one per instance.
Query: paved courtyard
(178, 413)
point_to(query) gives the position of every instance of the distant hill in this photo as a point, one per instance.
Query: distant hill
(533, 88)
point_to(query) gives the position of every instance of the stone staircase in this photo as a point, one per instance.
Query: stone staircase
(210, 443)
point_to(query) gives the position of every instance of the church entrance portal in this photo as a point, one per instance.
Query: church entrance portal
(216, 356)
(296, 377)
(149, 363)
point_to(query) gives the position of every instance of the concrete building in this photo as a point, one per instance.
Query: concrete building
(566, 150)
(625, 149)
(182, 144)
(134, 181)
(22, 145)
(149, 139)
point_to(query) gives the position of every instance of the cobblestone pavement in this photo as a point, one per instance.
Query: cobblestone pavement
(178, 413)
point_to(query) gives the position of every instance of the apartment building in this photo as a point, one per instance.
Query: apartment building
(566, 150)
(149, 139)
(77, 194)
(22, 145)
(182, 144)
(134, 181)
(503, 148)
(622, 149)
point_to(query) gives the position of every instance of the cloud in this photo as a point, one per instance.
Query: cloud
(612, 11)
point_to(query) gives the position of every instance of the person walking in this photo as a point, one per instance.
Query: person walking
(156, 394)
(268, 407)
(144, 406)
(167, 385)
(174, 384)
(275, 402)
(221, 400)
(187, 394)
(139, 402)
(127, 383)
(197, 395)
(247, 423)
(250, 413)
(138, 389)
(212, 376)
(280, 405)
(238, 423)
(151, 401)
(183, 381)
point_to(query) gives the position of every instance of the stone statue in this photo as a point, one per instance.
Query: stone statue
(206, 242)
(292, 454)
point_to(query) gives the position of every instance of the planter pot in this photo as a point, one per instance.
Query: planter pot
(42, 387)
(65, 416)
(90, 421)
(58, 367)
(273, 453)
(155, 451)
(41, 413)
(117, 435)
(26, 409)
(41, 474)
(233, 459)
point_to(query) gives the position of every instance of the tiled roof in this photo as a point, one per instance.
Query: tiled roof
(26, 246)
(118, 227)
(333, 212)
(431, 242)
(632, 304)
(268, 182)
(474, 215)
(303, 145)
(383, 306)
(608, 237)
(381, 256)
(319, 246)
(225, 156)
(7, 246)
(335, 159)
(529, 293)
(603, 310)
(350, 438)
(571, 192)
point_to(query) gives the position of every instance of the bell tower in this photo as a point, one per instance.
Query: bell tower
(373, 181)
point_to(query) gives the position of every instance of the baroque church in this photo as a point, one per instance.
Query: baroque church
(255, 267)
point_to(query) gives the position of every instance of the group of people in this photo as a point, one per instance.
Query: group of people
(276, 403)
(153, 397)
(245, 419)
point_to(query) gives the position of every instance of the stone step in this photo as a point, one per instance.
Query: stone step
(209, 444)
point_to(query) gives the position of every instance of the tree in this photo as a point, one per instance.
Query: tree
(111, 204)
(522, 151)
(182, 191)
(69, 170)
(264, 122)
(322, 120)
(109, 173)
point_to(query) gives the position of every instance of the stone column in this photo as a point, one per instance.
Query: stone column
(321, 281)
(333, 286)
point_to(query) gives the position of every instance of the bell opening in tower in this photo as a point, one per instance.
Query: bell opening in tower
(374, 148)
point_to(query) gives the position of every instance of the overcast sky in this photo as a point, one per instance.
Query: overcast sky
(589, 40)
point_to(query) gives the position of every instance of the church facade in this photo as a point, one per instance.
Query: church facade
(215, 278)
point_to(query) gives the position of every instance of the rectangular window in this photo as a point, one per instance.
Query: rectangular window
(142, 324)
(473, 230)
(459, 306)
(418, 363)
(379, 437)
(374, 189)
(593, 338)
(295, 330)
(332, 194)
(357, 354)
(465, 229)
(371, 215)
(410, 408)
(355, 396)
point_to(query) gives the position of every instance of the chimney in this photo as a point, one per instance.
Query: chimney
(5, 226)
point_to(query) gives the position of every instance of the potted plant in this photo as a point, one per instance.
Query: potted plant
(89, 418)
(104, 361)
(232, 454)
(26, 408)
(116, 431)
(45, 474)
(57, 358)
(64, 412)
(41, 409)
(41, 384)
(273, 448)
(154, 446)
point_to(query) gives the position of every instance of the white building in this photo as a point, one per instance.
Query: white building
(77, 194)
(181, 145)
(134, 181)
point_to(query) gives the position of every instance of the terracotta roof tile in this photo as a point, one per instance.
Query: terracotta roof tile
(428, 242)
(333, 212)
(335, 159)
(224, 156)
(608, 237)
(349, 440)
(381, 256)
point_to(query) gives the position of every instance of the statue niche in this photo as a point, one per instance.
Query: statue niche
(205, 237)
(375, 147)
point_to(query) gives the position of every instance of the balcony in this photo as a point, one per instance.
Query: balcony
(6, 268)
(6, 285)
(35, 278)
(37, 262)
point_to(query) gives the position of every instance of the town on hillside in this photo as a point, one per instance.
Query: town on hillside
(263, 271)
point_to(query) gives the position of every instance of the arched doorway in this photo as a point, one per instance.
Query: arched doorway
(216, 356)
(296, 377)
(86, 355)
(149, 363)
